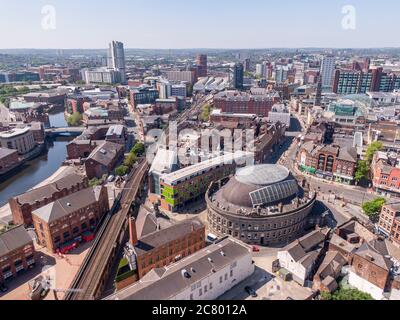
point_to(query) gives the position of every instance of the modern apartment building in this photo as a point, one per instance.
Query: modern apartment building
(116, 59)
(185, 186)
(356, 81)
(20, 139)
(327, 70)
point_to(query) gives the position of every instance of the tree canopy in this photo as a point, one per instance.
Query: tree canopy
(372, 149)
(75, 119)
(121, 170)
(362, 171)
(346, 295)
(205, 115)
(373, 208)
(138, 150)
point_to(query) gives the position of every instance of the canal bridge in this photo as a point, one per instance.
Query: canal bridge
(67, 131)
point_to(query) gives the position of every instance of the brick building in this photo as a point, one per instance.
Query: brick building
(164, 247)
(389, 222)
(8, 159)
(104, 159)
(331, 162)
(17, 252)
(23, 205)
(81, 148)
(242, 102)
(67, 219)
(386, 174)
(117, 134)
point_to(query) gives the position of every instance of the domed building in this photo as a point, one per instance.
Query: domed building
(262, 205)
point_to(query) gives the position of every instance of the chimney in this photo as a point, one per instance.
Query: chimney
(133, 239)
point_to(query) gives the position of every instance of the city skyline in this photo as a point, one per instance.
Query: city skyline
(181, 25)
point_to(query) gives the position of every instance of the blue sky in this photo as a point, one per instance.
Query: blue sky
(199, 23)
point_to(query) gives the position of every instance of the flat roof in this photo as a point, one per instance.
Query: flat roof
(14, 132)
(228, 158)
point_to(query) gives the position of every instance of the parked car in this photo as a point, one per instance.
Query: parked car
(111, 179)
(3, 287)
(256, 249)
(251, 292)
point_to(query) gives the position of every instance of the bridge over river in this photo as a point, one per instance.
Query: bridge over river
(67, 131)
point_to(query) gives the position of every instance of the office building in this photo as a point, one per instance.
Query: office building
(238, 76)
(101, 75)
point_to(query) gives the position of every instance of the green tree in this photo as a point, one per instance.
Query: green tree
(138, 150)
(75, 119)
(94, 182)
(372, 149)
(373, 208)
(205, 115)
(130, 160)
(362, 171)
(121, 170)
(346, 295)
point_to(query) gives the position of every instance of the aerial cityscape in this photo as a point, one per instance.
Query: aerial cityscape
(164, 164)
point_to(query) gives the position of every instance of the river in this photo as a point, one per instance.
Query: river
(39, 169)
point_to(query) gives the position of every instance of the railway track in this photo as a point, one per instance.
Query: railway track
(91, 274)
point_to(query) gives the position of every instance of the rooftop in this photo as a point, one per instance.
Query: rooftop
(262, 175)
(165, 283)
(162, 237)
(14, 132)
(67, 205)
(13, 239)
(189, 172)
(4, 152)
(38, 194)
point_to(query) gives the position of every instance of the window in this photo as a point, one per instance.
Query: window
(211, 286)
(200, 292)
(76, 230)
(191, 296)
(226, 276)
(220, 279)
(66, 235)
(231, 273)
